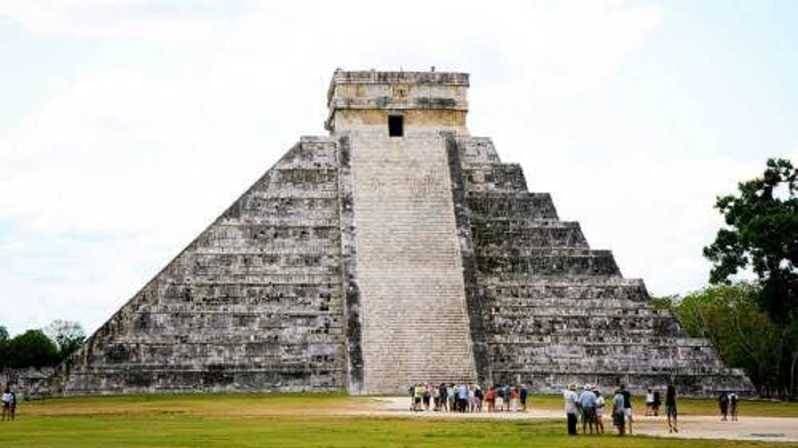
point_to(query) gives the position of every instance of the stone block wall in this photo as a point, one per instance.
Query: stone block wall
(555, 312)
(27, 384)
(254, 303)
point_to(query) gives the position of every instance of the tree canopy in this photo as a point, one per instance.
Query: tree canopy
(30, 349)
(40, 348)
(69, 336)
(762, 235)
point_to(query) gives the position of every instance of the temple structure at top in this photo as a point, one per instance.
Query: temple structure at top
(397, 249)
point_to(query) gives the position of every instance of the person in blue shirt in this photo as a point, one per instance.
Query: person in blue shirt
(587, 401)
(462, 398)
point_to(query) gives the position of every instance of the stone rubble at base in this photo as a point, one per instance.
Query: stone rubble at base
(367, 262)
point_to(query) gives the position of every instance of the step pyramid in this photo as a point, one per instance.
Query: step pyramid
(396, 250)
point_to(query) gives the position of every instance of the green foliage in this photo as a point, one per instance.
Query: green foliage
(68, 335)
(31, 349)
(663, 303)
(762, 234)
(743, 335)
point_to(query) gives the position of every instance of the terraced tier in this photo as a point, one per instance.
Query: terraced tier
(254, 303)
(552, 310)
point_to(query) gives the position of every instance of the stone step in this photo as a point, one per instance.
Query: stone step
(547, 262)
(477, 150)
(265, 237)
(510, 206)
(506, 235)
(132, 379)
(263, 210)
(589, 325)
(173, 353)
(523, 294)
(526, 333)
(494, 177)
(575, 308)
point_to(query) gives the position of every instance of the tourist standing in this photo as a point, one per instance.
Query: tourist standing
(478, 396)
(436, 398)
(619, 411)
(462, 398)
(587, 402)
(472, 404)
(670, 408)
(733, 406)
(570, 408)
(627, 406)
(515, 399)
(450, 396)
(649, 402)
(723, 403)
(599, 411)
(419, 396)
(507, 393)
(490, 399)
(13, 407)
(499, 398)
(427, 396)
(524, 394)
(7, 399)
(443, 396)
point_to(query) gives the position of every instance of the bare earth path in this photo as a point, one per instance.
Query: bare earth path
(765, 429)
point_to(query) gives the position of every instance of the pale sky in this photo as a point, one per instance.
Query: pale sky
(127, 126)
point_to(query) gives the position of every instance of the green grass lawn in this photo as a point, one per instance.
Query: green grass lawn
(282, 420)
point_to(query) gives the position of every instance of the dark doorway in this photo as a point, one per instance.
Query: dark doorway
(396, 125)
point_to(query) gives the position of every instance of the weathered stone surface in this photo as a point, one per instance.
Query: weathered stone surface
(369, 262)
(254, 303)
(27, 384)
(557, 312)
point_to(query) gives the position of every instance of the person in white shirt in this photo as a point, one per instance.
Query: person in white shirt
(9, 403)
(570, 408)
(649, 402)
(599, 411)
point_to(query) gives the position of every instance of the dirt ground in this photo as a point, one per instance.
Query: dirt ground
(765, 429)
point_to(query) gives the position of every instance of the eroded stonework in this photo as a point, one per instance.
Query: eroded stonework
(366, 262)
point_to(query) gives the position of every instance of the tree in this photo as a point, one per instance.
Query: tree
(743, 335)
(68, 335)
(31, 349)
(762, 234)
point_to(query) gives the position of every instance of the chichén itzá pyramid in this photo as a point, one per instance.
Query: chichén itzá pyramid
(397, 249)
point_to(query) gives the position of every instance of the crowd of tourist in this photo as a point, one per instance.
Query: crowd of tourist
(468, 398)
(588, 406)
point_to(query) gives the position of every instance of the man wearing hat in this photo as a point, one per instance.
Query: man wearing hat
(587, 402)
(570, 408)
